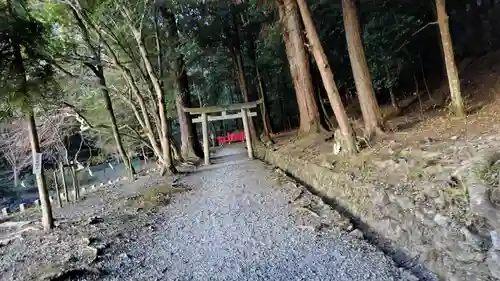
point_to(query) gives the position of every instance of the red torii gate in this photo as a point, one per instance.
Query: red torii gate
(243, 111)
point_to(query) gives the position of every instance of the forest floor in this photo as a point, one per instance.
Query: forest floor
(424, 145)
(234, 220)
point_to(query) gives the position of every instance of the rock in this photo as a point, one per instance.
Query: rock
(101, 247)
(280, 171)
(431, 191)
(440, 201)
(68, 273)
(36, 202)
(5, 211)
(339, 221)
(327, 164)
(495, 240)
(454, 138)
(467, 256)
(474, 240)
(86, 241)
(22, 207)
(429, 140)
(94, 220)
(441, 220)
(90, 253)
(14, 224)
(124, 256)
(402, 201)
(357, 234)
(407, 276)
(337, 148)
(493, 262)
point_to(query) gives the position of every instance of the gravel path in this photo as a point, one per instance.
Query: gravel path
(237, 224)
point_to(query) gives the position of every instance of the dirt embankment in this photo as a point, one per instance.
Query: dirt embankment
(429, 189)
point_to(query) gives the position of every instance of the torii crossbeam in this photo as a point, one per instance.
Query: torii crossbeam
(243, 111)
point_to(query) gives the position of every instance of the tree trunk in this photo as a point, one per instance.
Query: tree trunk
(451, 68)
(16, 176)
(75, 184)
(98, 70)
(18, 66)
(328, 80)
(266, 123)
(235, 48)
(114, 125)
(190, 149)
(58, 194)
(144, 156)
(299, 67)
(394, 102)
(165, 159)
(160, 96)
(362, 77)
(47, 218)
(63, 179)
(193, 135)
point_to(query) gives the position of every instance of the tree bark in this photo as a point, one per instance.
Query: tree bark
(47, 218)
(160, 95)
(189, 145)
(266, 123)
(235, 48)
(328, 79)
(394, 102)
(145, 121)
(76, 194)
(299, 67)
(58, 194)
(451, 68)
(16, 176)
(63, 179)
(362, 77)
(114, 125)
(19, 68)
(98, 70)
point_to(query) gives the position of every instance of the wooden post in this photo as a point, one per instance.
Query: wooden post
(63, 178)
(75, 183)
(58, 195)
(204, 126)
(244, 113)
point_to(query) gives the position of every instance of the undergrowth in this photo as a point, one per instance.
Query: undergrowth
(154, 197)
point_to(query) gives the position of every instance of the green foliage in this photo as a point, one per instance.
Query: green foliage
(385, 38)
(27, 80)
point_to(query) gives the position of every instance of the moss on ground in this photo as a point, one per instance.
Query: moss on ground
(489, 173)
(154, 197)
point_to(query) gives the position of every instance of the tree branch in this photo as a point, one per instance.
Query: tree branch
(423, 27)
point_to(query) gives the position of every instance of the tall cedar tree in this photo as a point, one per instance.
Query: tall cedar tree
(362, 77)
(190, 147)
(328, 81)
(299, 66)
(20, 33)
(451, 68)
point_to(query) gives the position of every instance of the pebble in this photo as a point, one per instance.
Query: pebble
(237, 224)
